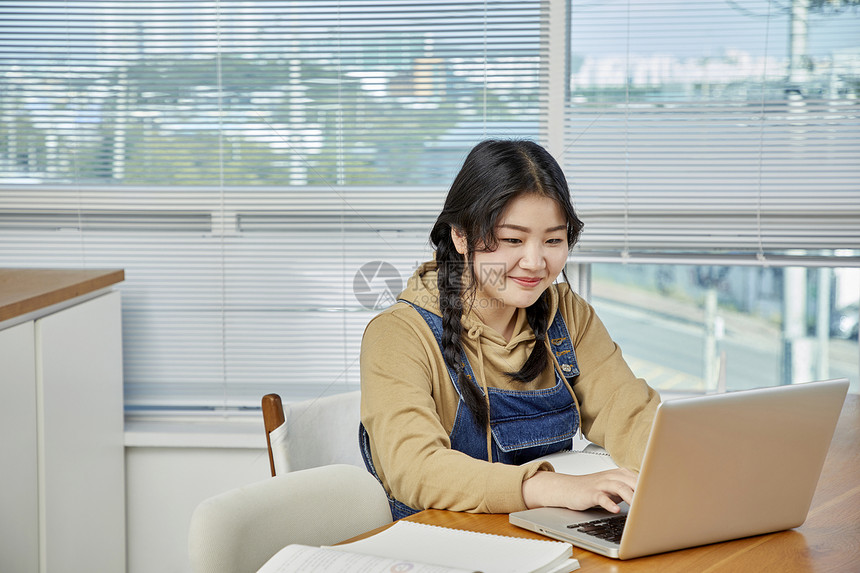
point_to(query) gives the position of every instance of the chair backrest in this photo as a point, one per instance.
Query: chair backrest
(273, 417)
(238, 531)
(312, 433)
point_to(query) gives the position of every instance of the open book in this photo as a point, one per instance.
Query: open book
(421, 548)
(591, 459)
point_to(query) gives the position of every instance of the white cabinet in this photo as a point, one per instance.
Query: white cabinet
(61, 458)
(19, 489)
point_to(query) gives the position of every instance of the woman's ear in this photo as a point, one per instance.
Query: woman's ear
(459, 239)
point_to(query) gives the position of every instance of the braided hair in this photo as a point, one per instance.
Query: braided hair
(494, 173)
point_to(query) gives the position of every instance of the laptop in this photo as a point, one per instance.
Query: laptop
(716, 467)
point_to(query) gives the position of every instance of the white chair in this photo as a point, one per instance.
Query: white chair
(238, 531)
(312, 433)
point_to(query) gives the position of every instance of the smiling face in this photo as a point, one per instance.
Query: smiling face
(531, 252)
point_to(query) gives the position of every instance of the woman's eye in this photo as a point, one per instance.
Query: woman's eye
(554, 241)
(511, 241)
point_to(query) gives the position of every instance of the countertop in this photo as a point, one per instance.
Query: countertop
(24, 291)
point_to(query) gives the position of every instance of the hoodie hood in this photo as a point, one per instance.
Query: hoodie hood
(421, 290)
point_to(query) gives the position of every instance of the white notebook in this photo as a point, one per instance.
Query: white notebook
(422, 548)
(591, 459)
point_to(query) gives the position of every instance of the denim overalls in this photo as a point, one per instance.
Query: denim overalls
(525, 424)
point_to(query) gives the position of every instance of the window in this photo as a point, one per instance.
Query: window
(714, 127)
(267, 172)
(678, 324)
(710, 148)
(249, 164)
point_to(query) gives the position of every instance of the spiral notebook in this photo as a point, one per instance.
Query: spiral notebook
(422, 548)
(716, 468)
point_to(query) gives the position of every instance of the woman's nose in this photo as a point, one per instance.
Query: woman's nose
(533, 257)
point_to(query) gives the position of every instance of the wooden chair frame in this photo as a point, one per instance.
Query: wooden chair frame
(273, 416)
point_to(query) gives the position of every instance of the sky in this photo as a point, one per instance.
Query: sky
(676, 27)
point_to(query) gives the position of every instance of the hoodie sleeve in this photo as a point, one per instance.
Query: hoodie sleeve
(401, 385)
(617, 407)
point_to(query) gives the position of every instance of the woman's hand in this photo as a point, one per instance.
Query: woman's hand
(605, 489)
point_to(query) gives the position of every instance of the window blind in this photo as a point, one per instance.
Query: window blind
(716, 128)
(265, 172)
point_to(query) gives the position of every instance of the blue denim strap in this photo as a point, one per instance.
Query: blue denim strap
(434, 321)
(562, 346)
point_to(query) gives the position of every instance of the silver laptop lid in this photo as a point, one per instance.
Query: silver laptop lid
(731, 465)
(717, 467)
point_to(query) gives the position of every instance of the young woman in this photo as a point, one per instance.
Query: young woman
(486, 363)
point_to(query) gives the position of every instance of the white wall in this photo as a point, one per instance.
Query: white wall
(165, 482)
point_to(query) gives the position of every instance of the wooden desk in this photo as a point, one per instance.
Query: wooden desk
(829, 540)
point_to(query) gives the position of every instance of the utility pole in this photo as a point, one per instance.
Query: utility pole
(798, 34)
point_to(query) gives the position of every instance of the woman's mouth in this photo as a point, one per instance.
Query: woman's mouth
(527, 282)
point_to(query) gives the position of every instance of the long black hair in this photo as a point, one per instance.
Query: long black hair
(494, 173)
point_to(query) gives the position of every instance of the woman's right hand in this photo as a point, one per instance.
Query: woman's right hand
(604, 489)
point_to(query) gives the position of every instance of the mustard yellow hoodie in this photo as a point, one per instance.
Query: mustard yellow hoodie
(409, 404)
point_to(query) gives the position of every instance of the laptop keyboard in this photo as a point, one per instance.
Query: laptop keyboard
(609, 528)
